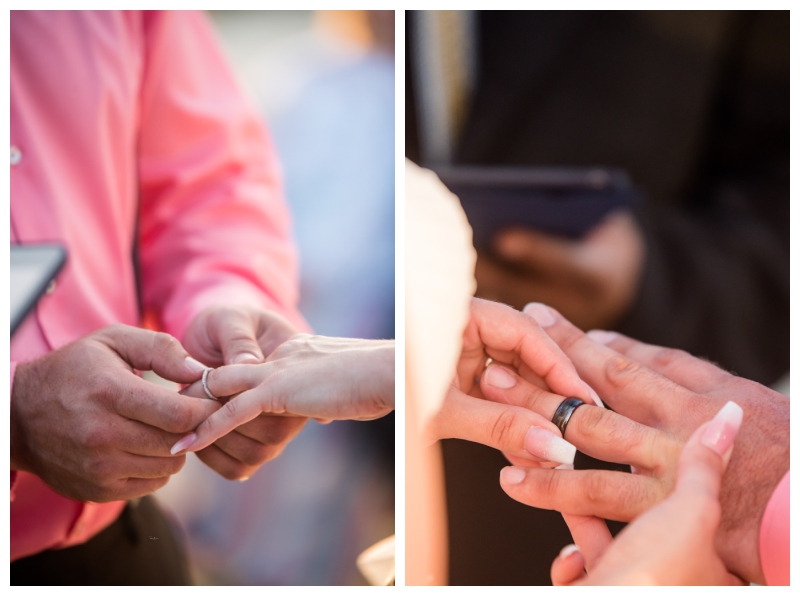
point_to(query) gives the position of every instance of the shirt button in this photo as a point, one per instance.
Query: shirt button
(51, 287)
(16, 155)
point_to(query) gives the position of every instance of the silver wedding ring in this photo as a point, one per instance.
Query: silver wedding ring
(204, 380)
(564, 413)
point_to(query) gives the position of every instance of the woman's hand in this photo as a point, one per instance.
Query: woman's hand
(671, 544)
(508, 336)
(326, 378)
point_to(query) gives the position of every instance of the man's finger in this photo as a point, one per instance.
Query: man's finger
(568, 566)
(138, 466)
(676, 365)
(591, 535)
(223, 464)
(272, 430)
(236, 334)
(137, 399)
(625, 385)
(148, 350)
(504, 427)
(599, 493)
(598, 432)
(540, 253)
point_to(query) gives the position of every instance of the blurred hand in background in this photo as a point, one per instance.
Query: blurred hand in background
(592, 281)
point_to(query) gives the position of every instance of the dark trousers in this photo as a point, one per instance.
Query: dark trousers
(139, 548)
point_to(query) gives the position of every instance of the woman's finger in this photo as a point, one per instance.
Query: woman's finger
(599, 493)
(591, 535)
(514, 430)
(509, 336)
(568, 566)
(598, 432)
(237, 411)
(678, 366)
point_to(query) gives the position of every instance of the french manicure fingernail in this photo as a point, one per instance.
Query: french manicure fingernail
(722, 430)
(184, 443)
(602, 337)
(193, 365)
(567, 551)
(245, 359)
(539, 313)
(596, 398)
(511, 475)
(544, 444)
(498, 376)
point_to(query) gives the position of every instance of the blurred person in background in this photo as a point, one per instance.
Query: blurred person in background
(324, 82)
(695, 106)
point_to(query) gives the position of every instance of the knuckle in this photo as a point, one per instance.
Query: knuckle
(551, 487)
(164, 342)
(502, 428)
(569, 337)
(179, 419)
(96, 438)
(666, 357)
(596, 489)
(620, 370)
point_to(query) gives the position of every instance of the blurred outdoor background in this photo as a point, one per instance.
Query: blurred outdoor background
(324, 84)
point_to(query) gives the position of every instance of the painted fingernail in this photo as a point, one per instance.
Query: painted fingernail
(193, 365)
(184, 443)
(567, 551)
(245, 359)
(498, 376)
(722, 430)
(602, 337)
(511, 475)
(244, 479)
(539, 313)
(596, 398)
(634, 470)
(544, 444)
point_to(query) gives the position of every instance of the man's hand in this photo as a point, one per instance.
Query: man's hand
(225, 335)
(660, 397)
(593, 281)
(672, 543)
(86, 424)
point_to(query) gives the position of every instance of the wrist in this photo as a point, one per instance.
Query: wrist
(17, 434)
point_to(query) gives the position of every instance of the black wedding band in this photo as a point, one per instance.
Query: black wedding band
(564, 413)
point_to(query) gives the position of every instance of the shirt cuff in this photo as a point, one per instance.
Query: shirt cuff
(774, 536)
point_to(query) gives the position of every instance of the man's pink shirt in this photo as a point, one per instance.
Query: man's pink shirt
(116, 114)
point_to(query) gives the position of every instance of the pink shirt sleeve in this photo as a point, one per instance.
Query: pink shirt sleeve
(774, 536)
(214, 227)
(11, 391)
